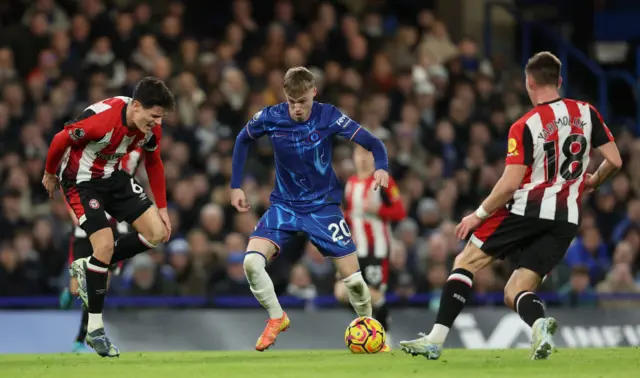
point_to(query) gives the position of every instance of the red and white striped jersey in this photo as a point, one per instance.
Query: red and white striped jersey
(554, 140)
(100, 139)
(131, 161)
(372, 232)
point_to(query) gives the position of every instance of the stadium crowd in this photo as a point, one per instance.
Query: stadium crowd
(442, 109)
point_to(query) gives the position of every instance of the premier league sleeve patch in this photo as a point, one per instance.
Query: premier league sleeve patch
(76, 134)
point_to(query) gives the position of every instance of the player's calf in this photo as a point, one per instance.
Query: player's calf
(358, 290)
(96, 270)
(261, 284)
(359, 294)
(519, 295)
(150, 233)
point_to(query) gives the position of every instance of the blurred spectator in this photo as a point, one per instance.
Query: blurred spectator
(147, 280)
(235, 282)
(300, 283)
(578, 292)
(589, 250)
(619, 281)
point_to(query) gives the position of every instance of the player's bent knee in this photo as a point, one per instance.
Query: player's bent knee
(150, 227)
(158, 234)
(348, 265)
(472, 259)
(263, 247)
(253, 263)
(102, 243)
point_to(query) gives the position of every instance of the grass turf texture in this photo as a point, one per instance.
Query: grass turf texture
(619, 362)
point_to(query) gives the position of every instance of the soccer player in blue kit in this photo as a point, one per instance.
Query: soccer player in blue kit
(307, 193)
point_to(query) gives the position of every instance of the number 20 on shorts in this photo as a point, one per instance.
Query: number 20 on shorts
(337, 228)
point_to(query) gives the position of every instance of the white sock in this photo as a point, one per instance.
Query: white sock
(438, 334)
(359, 295)
(261, 284)
(95, 322)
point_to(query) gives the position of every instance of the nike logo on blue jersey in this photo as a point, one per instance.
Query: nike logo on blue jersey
(346, 242)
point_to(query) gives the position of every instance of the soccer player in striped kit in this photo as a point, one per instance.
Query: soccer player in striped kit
(369, 213)
(80, 247)
(534, 210)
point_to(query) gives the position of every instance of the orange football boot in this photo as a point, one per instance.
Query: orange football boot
(271, 331)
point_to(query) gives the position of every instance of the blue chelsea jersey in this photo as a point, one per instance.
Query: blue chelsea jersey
(303, 153)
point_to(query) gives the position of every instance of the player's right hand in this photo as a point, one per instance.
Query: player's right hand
(239, 201)
(50, 183)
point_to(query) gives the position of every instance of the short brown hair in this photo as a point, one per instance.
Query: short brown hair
(297, 81)
(544, 67)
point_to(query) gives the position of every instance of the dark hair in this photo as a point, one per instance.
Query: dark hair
(151, 92)
(544, 67)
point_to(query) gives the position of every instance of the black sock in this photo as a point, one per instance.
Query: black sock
(128, 246)
(82, 333)
(97, 274)
(529, 306)
(455, 294)
(381, 314)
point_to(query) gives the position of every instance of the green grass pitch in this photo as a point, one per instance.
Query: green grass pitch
(620, 362)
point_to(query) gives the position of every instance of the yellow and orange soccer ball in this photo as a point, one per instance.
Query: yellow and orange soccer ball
(365, 335)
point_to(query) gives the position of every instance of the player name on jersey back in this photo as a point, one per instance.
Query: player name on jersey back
(554, 141)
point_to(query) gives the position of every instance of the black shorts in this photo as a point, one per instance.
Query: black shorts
(534, 243)
(375, 271)
(119, 195)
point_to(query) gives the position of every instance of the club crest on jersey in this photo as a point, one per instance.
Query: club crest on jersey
(94, 204)
(76, 134)
(512, 149)
(314, 136)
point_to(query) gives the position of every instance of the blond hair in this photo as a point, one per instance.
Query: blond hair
(297, 81)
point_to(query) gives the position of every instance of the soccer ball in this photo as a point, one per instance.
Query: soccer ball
(365, 335)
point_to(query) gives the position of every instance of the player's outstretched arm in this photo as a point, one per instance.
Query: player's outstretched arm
(379, 151)
(239, 158)
(349, 129)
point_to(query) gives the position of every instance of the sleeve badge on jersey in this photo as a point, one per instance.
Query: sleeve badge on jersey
(76, 134)
(395, 193)
(513, 147)
(343, 121)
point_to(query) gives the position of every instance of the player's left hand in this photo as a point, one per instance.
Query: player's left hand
(50, 183)
(590, 183)
(382, 179)
(164, 216)
(468, 223)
